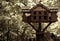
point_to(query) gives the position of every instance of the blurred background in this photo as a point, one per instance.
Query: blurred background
(12, 28)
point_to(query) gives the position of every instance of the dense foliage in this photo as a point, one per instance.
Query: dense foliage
(11, 17)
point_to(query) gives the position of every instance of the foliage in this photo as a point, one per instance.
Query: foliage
(11, 16)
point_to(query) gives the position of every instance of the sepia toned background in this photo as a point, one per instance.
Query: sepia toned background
(11, 18)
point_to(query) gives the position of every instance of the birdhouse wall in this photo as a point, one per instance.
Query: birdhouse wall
(53, 17)
(40, 13)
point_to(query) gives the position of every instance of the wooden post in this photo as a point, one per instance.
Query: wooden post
(38, 33)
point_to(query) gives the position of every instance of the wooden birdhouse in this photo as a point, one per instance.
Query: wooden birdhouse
(40, 13)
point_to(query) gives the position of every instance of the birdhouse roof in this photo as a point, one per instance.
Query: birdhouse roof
(53, 9)
(25, 9)
(49, 9)
(40, 5)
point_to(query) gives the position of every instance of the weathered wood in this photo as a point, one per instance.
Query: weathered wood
(46, 26)
(40, 13)
(32, 26)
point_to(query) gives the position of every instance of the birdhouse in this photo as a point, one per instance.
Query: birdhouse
(40, 13)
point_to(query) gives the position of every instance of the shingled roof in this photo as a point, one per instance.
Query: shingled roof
(40, 5)
(53, 9)
(25, 9)
(49, 9)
